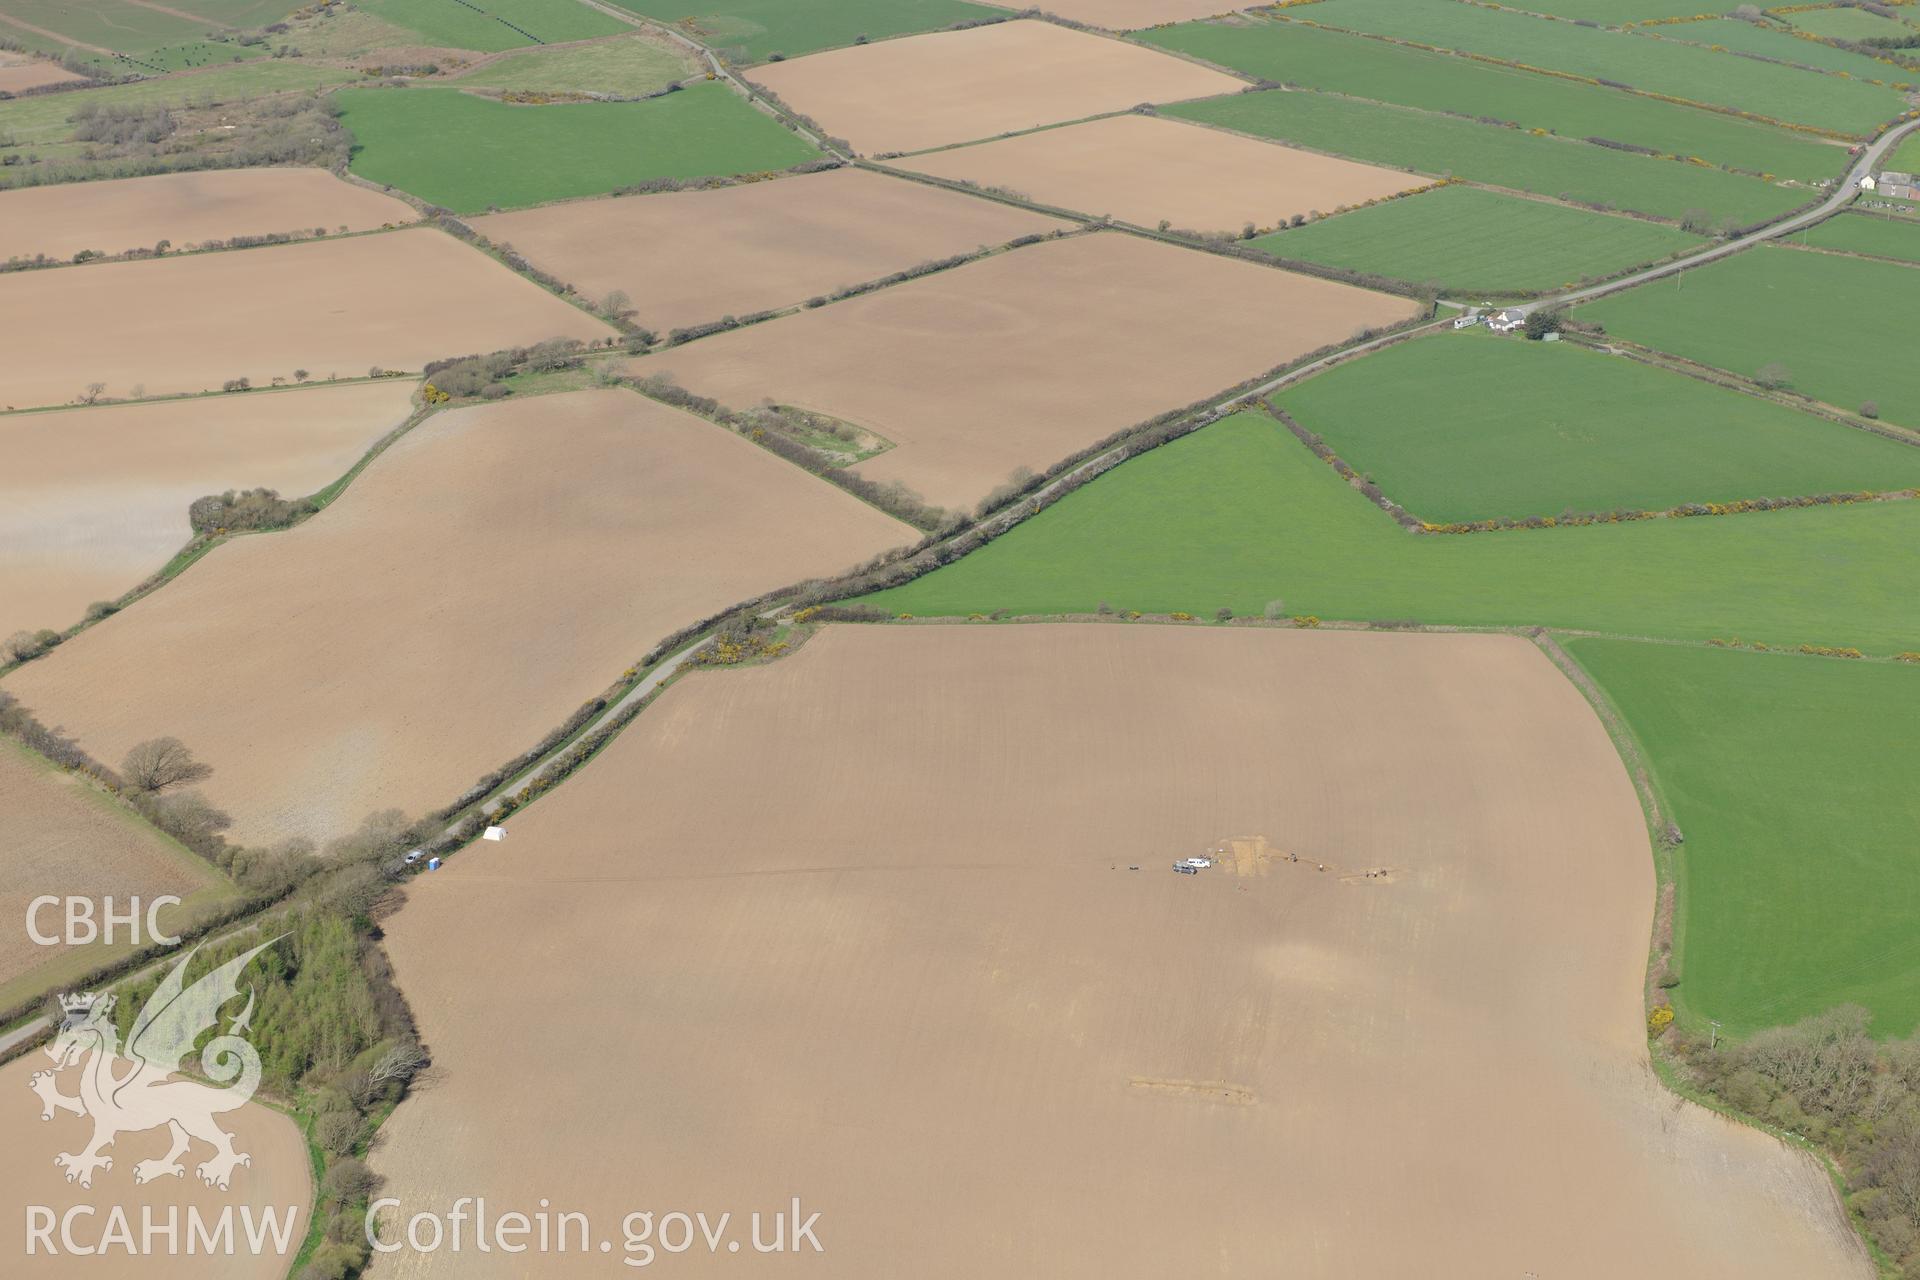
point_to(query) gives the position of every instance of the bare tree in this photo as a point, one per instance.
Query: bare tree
(93, 392)
(159, 763)
(398, 1063)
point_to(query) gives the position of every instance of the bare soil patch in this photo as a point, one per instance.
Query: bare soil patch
(63, 838)
(277, 1179)
(18, 74)
(1022, 358)
(861, 926)
(187, 209)
(486, 575)
(957, 86)
(328, 306)
(1144, 169)
(93, 500)
(692, 257)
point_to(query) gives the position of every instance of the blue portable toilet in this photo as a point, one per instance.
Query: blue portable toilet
(433, 864)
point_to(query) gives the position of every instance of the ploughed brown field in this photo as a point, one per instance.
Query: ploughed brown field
(755, 247)
(1022, 358)
(958, 86)
(1130, 15)
(1145, 169)
(93, 500)
(18, 73)
(277, 1179)
(491, 571)
(331, 307)
(187, 209)
(863, 926)
(63, 838)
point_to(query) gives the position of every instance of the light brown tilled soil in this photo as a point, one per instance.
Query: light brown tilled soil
(485, 576)
(1025, 357)
(861, 926)
(187, 209)
(692, 257)
(62, 839)
(93, 500)
(959, 86)
(277, 1177)
(18, 74)
(395, 300)
(1143, 169)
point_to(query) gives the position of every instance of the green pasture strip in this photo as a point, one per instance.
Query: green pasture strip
(1773, 42)
(468, 153)
(1865, 233)
(1685, 71)
(1469, 426)
(1467, 240)
(1240, 514)
(1841, 328)
(1445, 146)
(111, 24)
(755, 30)
(1847, 24)
(1320, 58)
(629, 65)
(1791, 779)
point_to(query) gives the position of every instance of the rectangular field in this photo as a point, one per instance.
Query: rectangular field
(491, 25)
(754, 247)
(1146, 170)
(469, 153)
(94, 500)
(1770, 42)
(18, 74)
(98, 25)
(1847, 24)
(1006, 363)
(187, 208)
(1128, 15)
(1570, 429)
(1685, 71)
(1338, 61)
(332, 307)
(1877, 237)
(44, 121)
(65, 837)
(1241, 516)
(633, 65)
(459, 601)
(751, 30)
(863, 948)
(961, 86)
(1800, 311)
(1480, 242)
(1446, 146)
(1793, 785)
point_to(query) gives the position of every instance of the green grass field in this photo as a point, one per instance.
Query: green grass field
(1906, 156)
(1295, 53)
(1445, 146)
(629, 65)
(1469, 426)
(1613, 12)
(1842, 327)
(110, 24)
(1241, 514)
(1772, 42)
(1792, 780)
(1846, 24)
(468, 153)
(754, 30)
(1658, 66)
(492, 25)
(1864, 233)
(1479, 242)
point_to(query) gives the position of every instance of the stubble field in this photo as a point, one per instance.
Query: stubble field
(1143, 170)
(959, 86)
(490, 572)
(1021, 359)
(93, 500)
(187, 208)
(862, 926)
(395, 300)
(754, 247)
